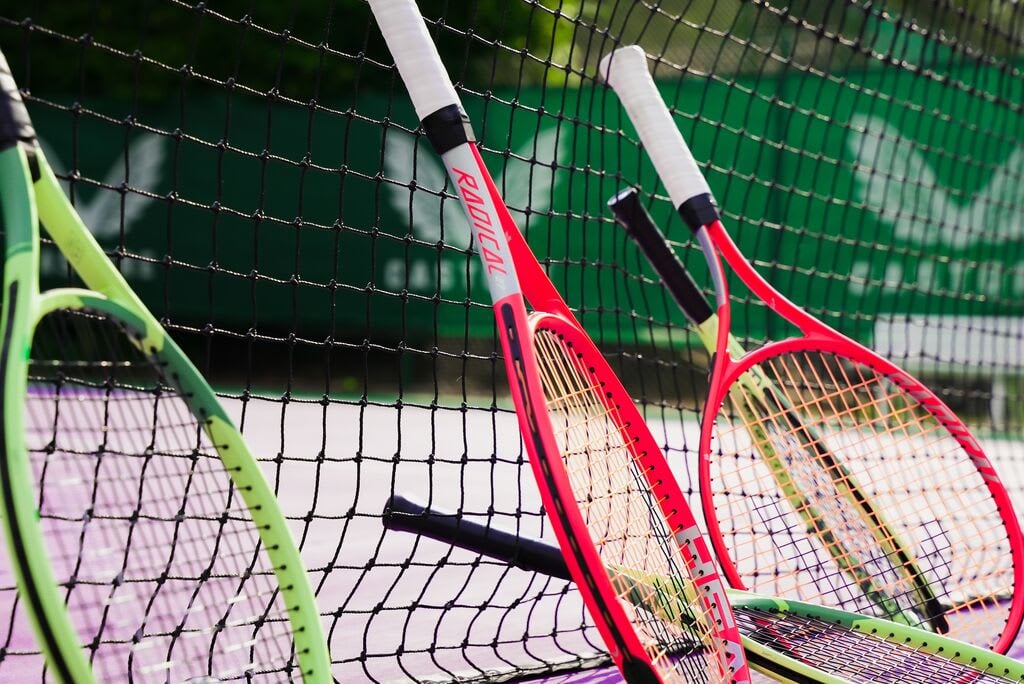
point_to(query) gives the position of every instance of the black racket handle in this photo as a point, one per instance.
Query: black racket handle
(525, 553)
(632, 216)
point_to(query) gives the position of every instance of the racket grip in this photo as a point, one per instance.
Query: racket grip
(15, 125)
(625, 70)
(415, 55)
(525, 553)
(631, 215)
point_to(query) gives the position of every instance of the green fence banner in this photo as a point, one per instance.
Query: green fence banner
(289, 220)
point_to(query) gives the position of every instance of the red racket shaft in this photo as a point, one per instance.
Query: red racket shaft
(448, 129)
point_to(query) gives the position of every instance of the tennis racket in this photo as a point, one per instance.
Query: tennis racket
(827, 473)
(603, 480)
(790, 641)
(146, 543)
(855, 513)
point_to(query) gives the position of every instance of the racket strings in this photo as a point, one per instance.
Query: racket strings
(165, 577)
(855, 655)
(820, 493)
(919, 431)
(793, 453)
(625, 522)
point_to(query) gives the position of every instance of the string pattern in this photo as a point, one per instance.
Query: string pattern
(625, 523)
(857, 656)
(835, 485)
(257, 172)
(160, 563)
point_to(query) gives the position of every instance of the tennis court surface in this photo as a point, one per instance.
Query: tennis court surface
(397, 606)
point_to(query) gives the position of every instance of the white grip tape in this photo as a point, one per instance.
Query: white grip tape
(625, 70)
(415, 54)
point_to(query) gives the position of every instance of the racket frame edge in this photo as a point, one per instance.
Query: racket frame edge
(36, 582)
(664, 487)
(822, 338)
(492, 227)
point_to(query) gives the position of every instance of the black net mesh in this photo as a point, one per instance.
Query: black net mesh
(159, 561)
(257, 172)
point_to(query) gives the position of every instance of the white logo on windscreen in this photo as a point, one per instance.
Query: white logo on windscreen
(523, 185)
(101, 208)
(896, 182)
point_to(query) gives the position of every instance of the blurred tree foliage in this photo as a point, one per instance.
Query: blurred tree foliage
(325, 50)
(302, 49)
(727, 37)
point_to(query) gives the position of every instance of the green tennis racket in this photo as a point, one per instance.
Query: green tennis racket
(146, 543)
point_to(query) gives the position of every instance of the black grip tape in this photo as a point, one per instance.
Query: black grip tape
(631, 215)
(15, 125)
(698, 211)
(447, 128)
(524, 553)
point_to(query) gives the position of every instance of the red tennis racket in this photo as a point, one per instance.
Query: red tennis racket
(827, 473)
(603, 480)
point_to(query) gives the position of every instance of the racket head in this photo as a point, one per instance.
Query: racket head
(630, 509)
(146, 543)
(894, 442)
(813, 640)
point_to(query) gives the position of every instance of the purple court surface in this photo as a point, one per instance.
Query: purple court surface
(337, 466)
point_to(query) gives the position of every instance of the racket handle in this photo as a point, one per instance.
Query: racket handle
(415, 55)
(525, 553)
(15, 126)
(625, 70)
(631, 215)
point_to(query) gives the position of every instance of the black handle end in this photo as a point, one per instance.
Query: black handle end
(631, 215)
(525, 553)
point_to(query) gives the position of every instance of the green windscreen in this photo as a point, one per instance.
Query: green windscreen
(257, 172)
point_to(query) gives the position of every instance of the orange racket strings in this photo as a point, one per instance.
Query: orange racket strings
(625, 524)
(890, 448)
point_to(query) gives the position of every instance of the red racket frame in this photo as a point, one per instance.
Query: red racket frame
(553, 314)
(817, 336)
